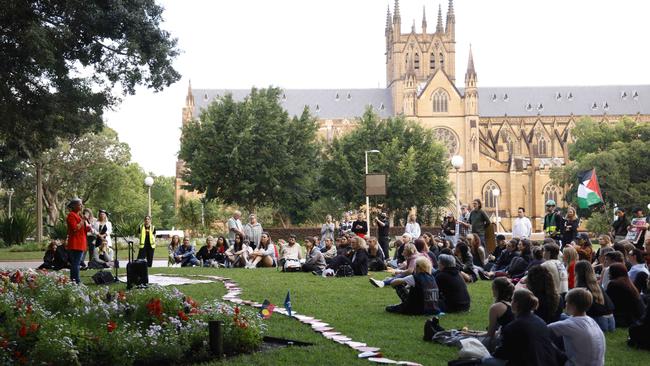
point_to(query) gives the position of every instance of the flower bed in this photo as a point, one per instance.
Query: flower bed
(45, 319)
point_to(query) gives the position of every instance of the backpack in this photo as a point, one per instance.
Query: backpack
(291, 265)
(344, 271)
(103, 278)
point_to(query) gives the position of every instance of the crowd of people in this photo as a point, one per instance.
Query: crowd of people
(546, 294)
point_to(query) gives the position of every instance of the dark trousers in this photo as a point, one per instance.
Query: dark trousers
(75, 260)
(383, 243)
(310, 267)
(146, 253)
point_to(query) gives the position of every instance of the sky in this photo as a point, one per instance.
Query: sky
(340, 44)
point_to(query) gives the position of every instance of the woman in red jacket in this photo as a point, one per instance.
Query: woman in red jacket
(77, 229)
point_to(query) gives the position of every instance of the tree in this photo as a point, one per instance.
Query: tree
(162, 193)
(415, 163)
(619, 152)
(60, 61)
(251, 153)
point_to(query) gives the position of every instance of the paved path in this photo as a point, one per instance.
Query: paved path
(35, 264)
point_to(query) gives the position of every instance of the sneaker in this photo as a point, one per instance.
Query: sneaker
(376, 283)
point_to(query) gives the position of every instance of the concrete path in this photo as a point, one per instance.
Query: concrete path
(35, 264)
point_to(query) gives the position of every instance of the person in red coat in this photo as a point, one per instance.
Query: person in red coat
(77, 229)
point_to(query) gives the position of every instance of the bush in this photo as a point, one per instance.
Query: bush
(48, 320)
(29, 247)
(58, 231)
(16, 229)
(599, 223)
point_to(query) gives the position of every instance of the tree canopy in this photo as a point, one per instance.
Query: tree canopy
(415, 163)
(251, 153)
(619, 151)
(60, 62)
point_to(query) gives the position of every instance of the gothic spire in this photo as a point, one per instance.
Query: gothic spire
(413, 26)
(451, 17)
(396, 15)
(388, 17)
(439, 28)
(471, 72)
(189, 99)
(424, 20)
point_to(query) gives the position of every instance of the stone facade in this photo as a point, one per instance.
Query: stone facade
(510, 138)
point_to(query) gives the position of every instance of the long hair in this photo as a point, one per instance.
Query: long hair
(238, 247)
(503, 289)
(569, 255)
(585, 277)
(265, 245)
(463, 249)
(540, 282)
(480, 205)
(618, 274)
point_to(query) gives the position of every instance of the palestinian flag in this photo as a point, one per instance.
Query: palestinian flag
(588, 190)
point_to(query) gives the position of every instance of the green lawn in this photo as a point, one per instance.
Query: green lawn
(355, 308)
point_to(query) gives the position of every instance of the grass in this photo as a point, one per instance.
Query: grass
(355, 308)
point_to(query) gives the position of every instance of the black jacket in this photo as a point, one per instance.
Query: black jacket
(360, 262)
(453, 290)
(527, 341)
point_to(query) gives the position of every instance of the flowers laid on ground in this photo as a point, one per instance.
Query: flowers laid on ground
(45, 319)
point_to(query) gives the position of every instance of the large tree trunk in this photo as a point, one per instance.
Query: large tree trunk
(52, 204)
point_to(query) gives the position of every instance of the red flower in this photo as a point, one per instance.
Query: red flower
(121, 296)
(236, 310)
(183, 316)
(33, 327)
(4, 344)
(155, 308)
(29, 308)
(111, 326)
(23, 331)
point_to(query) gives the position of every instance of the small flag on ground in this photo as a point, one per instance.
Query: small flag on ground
(267, 309)
(287, 302)
(589, 190)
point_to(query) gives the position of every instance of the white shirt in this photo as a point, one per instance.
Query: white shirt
(413, 228)
(522, 228)
(559, 273)
(584, 342)
(636, 269)
(109, 231)
(234, 224)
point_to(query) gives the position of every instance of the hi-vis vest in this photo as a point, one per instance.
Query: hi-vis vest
(550, 225)
(152, 238)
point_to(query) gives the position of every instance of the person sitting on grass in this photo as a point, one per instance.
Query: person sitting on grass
(570, 257)
(550, 303)
(556, 268)
(185, 254)
(102, 256)
(208, 253)
(628, 306)
(610, 258)
(584, 341)
(291, 251)
(222, 247)
(171, 249)
(639, 267)
(398, 256)
(238, 252)
(500, 313)
(583, 247)
(266, 253)
(315, 261)
(602, 307)
(503, 260)
(407, 269)
(451, 286)
(376, 257)
(329, 250)
(526, 340)
(55, 258)
(418, 292)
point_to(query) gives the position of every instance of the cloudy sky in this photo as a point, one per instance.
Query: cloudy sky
(340, 44)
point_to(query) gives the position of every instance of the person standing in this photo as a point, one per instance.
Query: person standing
(552, 222)
(326, 231)
(570, 227)
(253, 231)
(147, 241)
(463, 222)
(383, 232)
(449, 228)
(522, 228)
(346, 225)
(641, 227)
(360, 226)
(77, 229)
(412, 227)
(91, 237)
(619, 226)
(479, 220)
(235, 227)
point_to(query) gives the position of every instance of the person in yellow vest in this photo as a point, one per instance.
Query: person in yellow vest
(147, 236)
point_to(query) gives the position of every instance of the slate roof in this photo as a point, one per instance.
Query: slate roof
(564, 100)
(493, 101)
(323, 103)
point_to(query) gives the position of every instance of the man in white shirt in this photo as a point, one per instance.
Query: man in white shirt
(235, 226)
(522, 227)
(637, 260)
(584, 342)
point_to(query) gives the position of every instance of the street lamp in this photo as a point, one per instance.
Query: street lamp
(368, 198)
(10, 192)
(457, 162)
(148, 181)
(496, 192)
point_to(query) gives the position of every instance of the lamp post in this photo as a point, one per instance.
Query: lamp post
(10, 192)
(368, 198)
(496, 192)
(148, 181)
(457, 163)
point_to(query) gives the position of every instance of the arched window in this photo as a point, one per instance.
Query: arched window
(417, 61)
(542, 146)
(442, 61)
(551, 192)
(489, 199)
(440, 101)
(406, 59)
(432, 62)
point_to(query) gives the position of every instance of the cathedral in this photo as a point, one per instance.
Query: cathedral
(509, 137)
